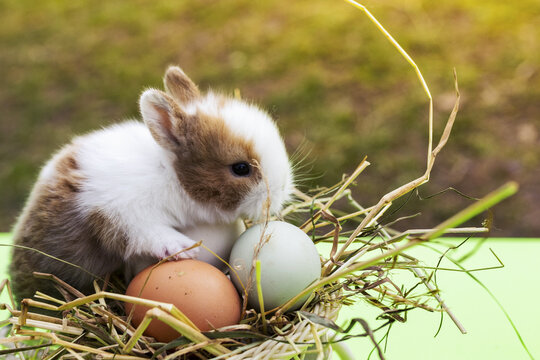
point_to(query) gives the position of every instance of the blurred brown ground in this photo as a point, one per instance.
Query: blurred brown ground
(337, 88)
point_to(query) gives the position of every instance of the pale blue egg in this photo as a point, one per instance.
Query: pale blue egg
(289, 263)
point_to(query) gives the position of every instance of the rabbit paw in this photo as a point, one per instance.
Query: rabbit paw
(162, 242)
(177, 251)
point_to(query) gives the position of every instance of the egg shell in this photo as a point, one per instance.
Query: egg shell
(202, 292)
(289, 263)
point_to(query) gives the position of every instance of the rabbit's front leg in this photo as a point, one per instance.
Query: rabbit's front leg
(162, 241)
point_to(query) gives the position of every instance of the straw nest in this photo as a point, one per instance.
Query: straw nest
(357, 265)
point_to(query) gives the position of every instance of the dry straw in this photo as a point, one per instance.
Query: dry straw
(358, 267)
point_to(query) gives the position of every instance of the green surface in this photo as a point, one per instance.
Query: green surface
(490, 336)
(4, 261)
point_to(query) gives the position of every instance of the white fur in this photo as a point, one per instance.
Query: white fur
(131, 178)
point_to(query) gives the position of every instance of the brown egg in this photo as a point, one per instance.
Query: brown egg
(202, 292)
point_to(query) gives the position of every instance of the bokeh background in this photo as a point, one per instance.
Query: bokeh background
(337, 88)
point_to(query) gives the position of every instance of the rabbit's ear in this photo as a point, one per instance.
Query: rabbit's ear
(180, 86)
(162, 117)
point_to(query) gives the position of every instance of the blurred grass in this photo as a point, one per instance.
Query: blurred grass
(331, 80)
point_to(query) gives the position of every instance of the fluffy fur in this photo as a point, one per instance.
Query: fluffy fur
(126, 192)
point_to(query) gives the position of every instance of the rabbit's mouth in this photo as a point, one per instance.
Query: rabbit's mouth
(263, 202)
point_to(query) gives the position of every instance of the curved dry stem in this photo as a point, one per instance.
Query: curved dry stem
(74, 346)
(180, 326)
(308, 225)
(387, 199)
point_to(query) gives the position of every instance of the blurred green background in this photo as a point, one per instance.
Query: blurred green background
(337, 88)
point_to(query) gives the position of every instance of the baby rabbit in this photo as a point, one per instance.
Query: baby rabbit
(127, 191)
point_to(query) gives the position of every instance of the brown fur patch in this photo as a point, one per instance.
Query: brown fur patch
(203, 165)
(69, 180)
(53, 224)
(109, 235)
(180, 86)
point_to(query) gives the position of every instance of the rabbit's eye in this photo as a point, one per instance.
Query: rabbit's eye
(241, 169)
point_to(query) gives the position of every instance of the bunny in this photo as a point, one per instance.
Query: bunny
(126, 192)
